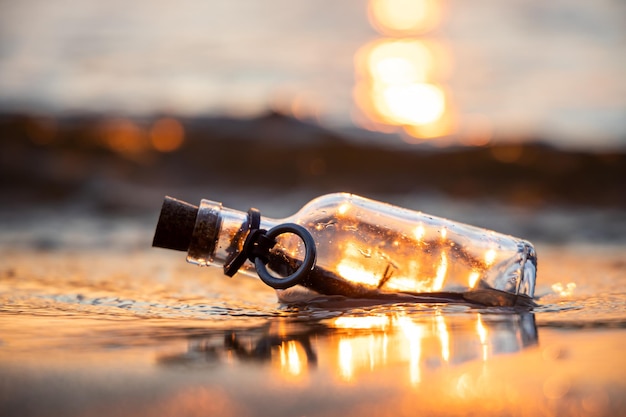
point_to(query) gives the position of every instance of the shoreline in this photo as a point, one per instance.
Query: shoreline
(57, 159)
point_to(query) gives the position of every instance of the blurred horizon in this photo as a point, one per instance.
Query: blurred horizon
(480, 73)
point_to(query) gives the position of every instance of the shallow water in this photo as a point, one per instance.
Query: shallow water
(95, 322)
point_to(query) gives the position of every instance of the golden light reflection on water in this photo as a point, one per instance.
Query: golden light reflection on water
(346, 359)
(372, 364)
(399, 78)
(481, 330)
(444, 337)
(414, 333)
(392, 340)
(59, 356)
(290, 359)
(564, 290)
(352, 348)
(364, 322)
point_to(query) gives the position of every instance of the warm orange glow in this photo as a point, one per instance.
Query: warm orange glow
(124, 136)
(364, 322)
(419, 232)
(564, 290)
(167, 135)
(410, 283)
(343, 209)
(481, 330)
(473, 278)
(360, 267)
(400, 339)
(353, 269)
(398, 78)
(444, 337)
(290, 361)
(443, 126)
(442, 269)
(490, 257)
(399, 62)
(357, 273)
(477, 130)
(361, 353)
(412, 104)
(402, 17)
(369, 268)
(414, 333)
(346, 365)
(394, 86)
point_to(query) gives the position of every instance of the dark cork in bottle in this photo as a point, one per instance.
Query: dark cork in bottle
(176, 224)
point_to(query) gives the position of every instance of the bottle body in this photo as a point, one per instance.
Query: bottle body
(365, 247)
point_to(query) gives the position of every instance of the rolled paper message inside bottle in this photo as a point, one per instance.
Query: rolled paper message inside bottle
(343, 244)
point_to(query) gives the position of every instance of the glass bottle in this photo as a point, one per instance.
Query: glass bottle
(363, 249)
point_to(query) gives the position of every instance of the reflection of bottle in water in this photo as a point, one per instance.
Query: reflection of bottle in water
(381, 341)
(434, 339)
(355, 247)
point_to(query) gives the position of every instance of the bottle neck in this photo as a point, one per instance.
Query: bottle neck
(219, 235)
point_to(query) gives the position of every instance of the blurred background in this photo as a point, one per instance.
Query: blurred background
(108, 105)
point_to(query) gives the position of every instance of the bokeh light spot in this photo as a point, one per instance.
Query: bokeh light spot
(397, 17)
(167, 135)
(124, 136)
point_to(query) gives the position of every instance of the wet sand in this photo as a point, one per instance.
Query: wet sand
(123, 330)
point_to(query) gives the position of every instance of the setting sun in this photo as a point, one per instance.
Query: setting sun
(400, 61)
(398, 78)
(414, 104)
(404, 16)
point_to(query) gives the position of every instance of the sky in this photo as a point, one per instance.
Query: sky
(423, 68)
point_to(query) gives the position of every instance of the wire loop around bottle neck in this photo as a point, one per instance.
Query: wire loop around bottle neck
(258, 244)
(281, 283)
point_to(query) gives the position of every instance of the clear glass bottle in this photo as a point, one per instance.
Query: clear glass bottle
(364, 249)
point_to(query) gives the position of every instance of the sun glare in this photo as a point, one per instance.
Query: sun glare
(402, 61)
(404, 17)
(414, 104)
(398, 77)
(362, 322)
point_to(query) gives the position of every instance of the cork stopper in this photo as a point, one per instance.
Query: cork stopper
(176, 223)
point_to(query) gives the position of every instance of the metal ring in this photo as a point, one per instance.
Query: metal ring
(281, 283)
